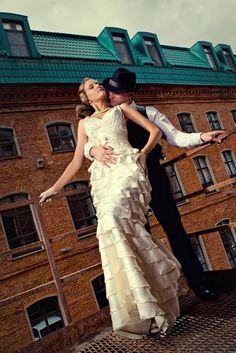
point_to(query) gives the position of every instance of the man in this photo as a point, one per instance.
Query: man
(121, 87)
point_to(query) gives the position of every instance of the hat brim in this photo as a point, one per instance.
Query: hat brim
(110, 88)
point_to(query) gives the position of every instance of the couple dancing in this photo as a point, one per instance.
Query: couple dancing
(141, 275)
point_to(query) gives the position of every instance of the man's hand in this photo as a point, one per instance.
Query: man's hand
(211, 136)
(104, 154)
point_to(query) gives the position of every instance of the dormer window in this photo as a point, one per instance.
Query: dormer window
(210, 58)
(229, 59)
(122, 48)
(152, 50)
(16, 38)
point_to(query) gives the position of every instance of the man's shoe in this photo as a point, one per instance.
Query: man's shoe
(206, 293)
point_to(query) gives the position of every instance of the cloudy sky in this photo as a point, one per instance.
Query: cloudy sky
(176, 22)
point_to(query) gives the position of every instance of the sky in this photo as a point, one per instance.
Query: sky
(176, 22)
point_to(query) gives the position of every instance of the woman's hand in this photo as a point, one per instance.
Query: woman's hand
(142, 161)
(45, 196)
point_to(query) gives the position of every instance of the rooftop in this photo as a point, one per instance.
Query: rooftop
(67, 58)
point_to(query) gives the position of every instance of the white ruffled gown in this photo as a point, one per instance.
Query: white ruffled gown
(140, 273)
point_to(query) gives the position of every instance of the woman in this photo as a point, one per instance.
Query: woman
(140, 274)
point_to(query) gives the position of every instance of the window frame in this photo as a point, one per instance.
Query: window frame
(207, 49)
(31, 251)
(221, 127)
(24, 37)
(17, 147)
(87, 218)
(177, 178)
(61, 123)
(124, 41)
(233, 113)
(153, 44)
(226, 221)
(28, 318)
(210, 173)
(94, 293)
(233, 160)
(191, 120)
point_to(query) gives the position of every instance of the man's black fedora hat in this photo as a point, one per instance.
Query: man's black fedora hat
(122, 81)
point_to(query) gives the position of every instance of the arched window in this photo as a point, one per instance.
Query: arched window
(203, 171)
(229, 241)
(81, 205)
(8, 146)
(100, 291)
(186, 123)
(45, 317)
(61, 137)
(214, 121)
(18, 224)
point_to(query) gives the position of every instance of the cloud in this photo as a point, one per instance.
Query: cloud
(176, 22)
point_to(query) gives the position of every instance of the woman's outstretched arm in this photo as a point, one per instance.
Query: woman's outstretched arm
(72, 168)
(135, 116)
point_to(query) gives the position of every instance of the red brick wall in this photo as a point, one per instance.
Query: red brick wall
(28, 279)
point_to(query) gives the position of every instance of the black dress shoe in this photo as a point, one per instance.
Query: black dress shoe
(206, 293)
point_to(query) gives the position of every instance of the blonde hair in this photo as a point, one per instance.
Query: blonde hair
(84, 109)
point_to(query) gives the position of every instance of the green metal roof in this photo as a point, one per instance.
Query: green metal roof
(177, 56)
(66, 58)
(70, 46)
(46, 70)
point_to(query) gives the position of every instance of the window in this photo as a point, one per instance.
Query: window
(197, 248)
(122, 48)
(211, 61)
(45, 317)
(174, 182)
(229, 59)
(16, 38)
(233, 112)
(186, 123)
(151, 47)
(229, 162)
(61, 137)
(18, 224)
(8, 148)
(81, 206)
(213, 120)
(100, 291)
(203, 171)
(228, 240)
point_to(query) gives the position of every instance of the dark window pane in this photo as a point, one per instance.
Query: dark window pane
(81, 206)
(7, 144)
(45, 317)
(229, 59)
(233, 112)
(16, 39)
(174, 182)
(203, 172)
(197, 248)
(150, 44)
(100, 291)
(186, 122)
(210, 58)
(61, 137)
(229, 243)
(213, 121)
(229, 163)
(19, 225)
(122, 48)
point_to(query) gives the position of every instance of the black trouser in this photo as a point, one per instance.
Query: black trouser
(166, 211)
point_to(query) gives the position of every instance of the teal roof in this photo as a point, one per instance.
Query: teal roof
(177, 56)
(70, 46)
(66, 59)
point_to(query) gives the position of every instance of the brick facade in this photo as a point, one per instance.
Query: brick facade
(26, 280)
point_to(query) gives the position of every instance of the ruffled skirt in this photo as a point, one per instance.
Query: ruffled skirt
(140, 274)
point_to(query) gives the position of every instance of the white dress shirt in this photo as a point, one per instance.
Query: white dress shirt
(173, 136)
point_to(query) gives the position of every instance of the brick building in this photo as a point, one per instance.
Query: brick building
(50, 266)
